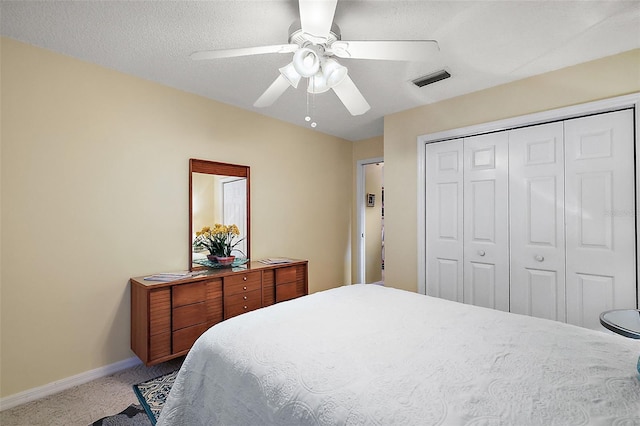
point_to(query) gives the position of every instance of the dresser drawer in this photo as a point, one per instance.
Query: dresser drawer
(185, 316)
(159, 311)
(186, 294)
(236, 304)
(268, 287)
(246, 297)
(214, 304)
(184, 338)
(159, 346)
(286, 292)
(241, 283)
(285, 275)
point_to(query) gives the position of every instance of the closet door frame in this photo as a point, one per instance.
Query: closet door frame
(606, 105)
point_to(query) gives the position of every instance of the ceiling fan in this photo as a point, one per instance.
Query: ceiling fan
(315, 42)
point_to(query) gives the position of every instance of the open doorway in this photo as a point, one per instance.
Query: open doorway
(371, 220)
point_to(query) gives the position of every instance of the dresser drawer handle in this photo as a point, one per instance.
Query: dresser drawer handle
(244, 278)
(244, 288)
(245, 307)
(245, 297)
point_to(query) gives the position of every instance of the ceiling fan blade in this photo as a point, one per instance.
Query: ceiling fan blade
(392, 50)
(243, 51)
(273, 92)
(316, 18)
(351, 97)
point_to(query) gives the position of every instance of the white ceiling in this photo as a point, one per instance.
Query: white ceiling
(482, 44)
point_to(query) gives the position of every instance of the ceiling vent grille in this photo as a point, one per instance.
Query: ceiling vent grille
(431, 78)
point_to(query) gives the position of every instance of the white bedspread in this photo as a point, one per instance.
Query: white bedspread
(366, 354)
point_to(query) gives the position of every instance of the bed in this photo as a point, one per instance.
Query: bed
(367, 354)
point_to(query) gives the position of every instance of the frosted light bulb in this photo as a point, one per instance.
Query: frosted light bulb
(306, 62)
(291, 75)
(333, 72)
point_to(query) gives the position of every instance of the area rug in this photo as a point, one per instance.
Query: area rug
(153, 393)
(133, 415)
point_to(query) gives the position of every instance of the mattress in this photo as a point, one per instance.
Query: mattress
(373, 355)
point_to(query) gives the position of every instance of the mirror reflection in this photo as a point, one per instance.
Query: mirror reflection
(218, 195)
(219, 199)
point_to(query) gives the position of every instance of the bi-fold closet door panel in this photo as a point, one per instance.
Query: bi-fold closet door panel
(600, 216)
(486, 221)
(536, 196)
(444, 188)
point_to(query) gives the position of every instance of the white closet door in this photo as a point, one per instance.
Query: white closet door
(234, 201)
(536, 209)
(444, 219)
(600, 216)
(486, 221)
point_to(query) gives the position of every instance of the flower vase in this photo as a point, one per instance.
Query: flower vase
(222, 260)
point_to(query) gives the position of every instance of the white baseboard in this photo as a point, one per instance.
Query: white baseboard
(66, 383)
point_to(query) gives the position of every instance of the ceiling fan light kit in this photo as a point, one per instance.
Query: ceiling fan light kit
(306, 61)
(314, 41)
(334, 72)
(289, 72)
(318, 84)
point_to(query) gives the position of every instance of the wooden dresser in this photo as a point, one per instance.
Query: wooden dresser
(168, 317)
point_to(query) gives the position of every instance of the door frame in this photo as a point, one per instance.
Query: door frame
(360, 209)
(596, 107)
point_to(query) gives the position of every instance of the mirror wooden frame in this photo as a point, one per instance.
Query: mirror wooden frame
(216, 168)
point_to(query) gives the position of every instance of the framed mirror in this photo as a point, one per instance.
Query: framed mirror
(218, 193)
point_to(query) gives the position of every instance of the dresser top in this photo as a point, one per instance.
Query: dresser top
(208, 273)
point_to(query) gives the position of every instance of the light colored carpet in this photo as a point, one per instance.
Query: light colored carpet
(84, 404)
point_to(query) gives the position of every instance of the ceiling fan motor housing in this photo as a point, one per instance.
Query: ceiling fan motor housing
(297, 36)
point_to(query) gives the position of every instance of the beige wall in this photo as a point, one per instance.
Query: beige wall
(604, 78)
(205, 209)
(94, 179)
(361, 150)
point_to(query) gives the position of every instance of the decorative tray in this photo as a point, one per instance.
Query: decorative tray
(209, 264)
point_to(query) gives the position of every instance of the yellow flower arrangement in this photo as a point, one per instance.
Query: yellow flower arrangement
(219, 239)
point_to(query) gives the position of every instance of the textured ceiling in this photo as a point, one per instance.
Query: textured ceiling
(482, 44)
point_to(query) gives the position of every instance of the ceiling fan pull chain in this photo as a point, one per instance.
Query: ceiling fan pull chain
(310, 96)
(307, 118)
